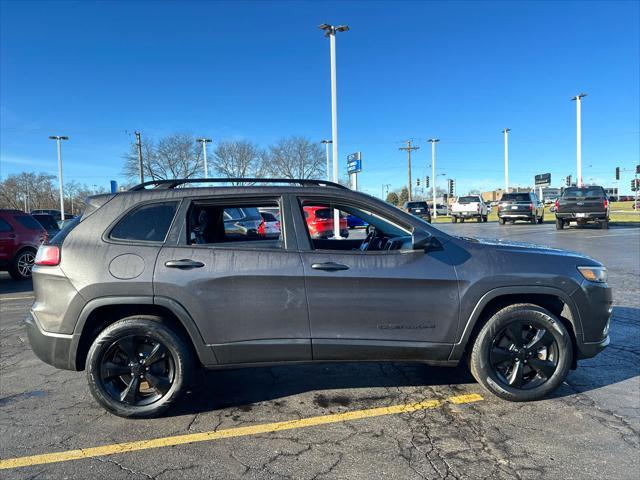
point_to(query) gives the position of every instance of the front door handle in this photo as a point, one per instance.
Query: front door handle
(185, 263)
(329, 266)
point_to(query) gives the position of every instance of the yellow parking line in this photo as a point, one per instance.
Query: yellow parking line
(230, 433)
(27, 297)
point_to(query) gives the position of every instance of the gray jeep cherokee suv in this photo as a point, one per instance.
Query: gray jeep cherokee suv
(149, 284)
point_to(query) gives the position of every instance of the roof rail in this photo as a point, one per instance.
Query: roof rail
(170, 184)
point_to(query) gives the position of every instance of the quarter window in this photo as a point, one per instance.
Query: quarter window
(149, 223)
(4, 226)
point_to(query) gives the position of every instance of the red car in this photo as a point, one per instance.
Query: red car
(20, 237)
(320, 222)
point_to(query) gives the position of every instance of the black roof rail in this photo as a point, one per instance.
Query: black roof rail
(170, 184)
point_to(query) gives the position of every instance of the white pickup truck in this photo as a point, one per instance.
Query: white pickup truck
(471, 206)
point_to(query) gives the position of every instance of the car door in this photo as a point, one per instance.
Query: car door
(7, 242)
(246, 296)
(377, 304)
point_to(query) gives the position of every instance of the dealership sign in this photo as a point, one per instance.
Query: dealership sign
(354, 162)
(543, 180)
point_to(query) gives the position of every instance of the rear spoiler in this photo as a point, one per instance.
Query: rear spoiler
(94, 202)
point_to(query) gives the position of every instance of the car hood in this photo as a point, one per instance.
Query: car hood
(503, 244)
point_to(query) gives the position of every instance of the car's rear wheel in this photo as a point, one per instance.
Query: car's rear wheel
(501, 221)
(454, 219)
(559, 223)
(605, 224)
(533, 220)
(522, 353)
(22, 264)
(138, 367)
(541, 219)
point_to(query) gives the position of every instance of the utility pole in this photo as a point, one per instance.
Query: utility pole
(139, 144)
(409, 148)
(58, 138)
(330, 31)
(326, 144)
(204, 142)
(578, 100)
(433, 142)
(506, 159)
(385, 186)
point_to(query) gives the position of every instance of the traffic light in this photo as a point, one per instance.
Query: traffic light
(568, 180)
(637, 169)
(417, 182)
(617, 173)
(452, 187)
(426, 182)
(635, 184)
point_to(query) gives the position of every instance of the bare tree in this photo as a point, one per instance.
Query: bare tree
(175, 156)
(238, 159)
(296, 157)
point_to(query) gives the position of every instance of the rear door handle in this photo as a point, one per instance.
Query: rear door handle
(329, 266)
(185, 263)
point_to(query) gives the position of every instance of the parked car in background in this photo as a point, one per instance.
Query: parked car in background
(355, 222)
(470, 206)
(418, 208)
(20, 237)
(520, 206)
(441, 209)
(582, 205)
(54, 213)
(320, 222)
(48, 223)
(270, 226)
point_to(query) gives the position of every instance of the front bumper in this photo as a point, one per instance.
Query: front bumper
(53, 348)
(594, 301)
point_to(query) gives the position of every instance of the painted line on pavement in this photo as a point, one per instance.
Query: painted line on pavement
(127, 447)
(26, 297)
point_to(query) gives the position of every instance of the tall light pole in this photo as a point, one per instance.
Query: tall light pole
(330, 31)
(204, 142)
(506, 159)
(578, 100)
(57, 138)
(326, 144)
(433, 142)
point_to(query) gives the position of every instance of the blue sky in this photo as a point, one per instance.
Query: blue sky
(460, 71)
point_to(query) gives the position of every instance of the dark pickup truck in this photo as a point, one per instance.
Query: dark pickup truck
(582, 205)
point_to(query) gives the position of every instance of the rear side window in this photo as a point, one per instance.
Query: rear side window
(149, 223)
(4, 226)
(27, 221)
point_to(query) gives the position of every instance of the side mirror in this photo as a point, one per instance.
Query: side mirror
(422, 240)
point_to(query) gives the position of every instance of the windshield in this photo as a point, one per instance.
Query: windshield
(468, 199)
(516, 197)
(584, 192)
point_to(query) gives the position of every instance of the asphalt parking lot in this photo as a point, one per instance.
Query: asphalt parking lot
(356, 421)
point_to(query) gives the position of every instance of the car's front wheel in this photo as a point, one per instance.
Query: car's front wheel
(22, 264)
(138, 367)
(522, 353)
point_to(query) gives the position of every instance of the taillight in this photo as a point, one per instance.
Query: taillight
(48, 255)
(557, 205)
(478, 207)
(606, 203)
(531, 207)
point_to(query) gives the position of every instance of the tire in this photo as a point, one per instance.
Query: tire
(605, 225)
(550, 350)
(171, 369)
(480, 219)
(559, 223)
(541, 220)
(454, 219)
(461, 219)
(21, 265)
(485, 219)
(501, 221)
(533, 220)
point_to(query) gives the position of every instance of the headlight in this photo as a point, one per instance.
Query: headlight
(594, 274)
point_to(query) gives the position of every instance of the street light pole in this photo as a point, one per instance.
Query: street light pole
(204, 142)
(330, 31)
(326, 144)
(578, 100)
(506, 159)
(57, 138)
(433, 142)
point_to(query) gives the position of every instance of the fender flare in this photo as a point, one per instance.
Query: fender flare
(204, 352)
(460, 346)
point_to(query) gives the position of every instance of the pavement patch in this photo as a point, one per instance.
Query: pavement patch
(127, 447)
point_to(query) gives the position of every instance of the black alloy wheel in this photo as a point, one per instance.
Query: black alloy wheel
(523, 355)
(137, 370)
(139, 366)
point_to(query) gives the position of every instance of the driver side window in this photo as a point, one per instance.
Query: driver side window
(357, 228)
